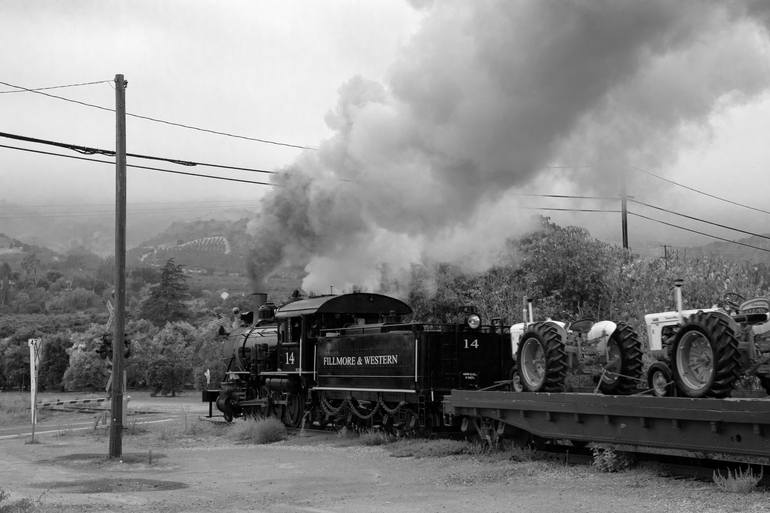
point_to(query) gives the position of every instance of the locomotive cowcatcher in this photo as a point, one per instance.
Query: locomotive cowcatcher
(357, 359)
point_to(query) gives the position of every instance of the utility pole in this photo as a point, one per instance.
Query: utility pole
(116, 426)
(624, 210)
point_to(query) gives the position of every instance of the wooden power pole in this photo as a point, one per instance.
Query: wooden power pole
(624, 210)
(116, 425)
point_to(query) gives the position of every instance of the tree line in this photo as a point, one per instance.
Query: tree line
(173, 330)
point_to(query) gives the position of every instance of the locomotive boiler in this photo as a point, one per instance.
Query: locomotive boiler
(358, 358)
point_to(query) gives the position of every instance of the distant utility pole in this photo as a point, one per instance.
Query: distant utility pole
(624, 210)
(116, 426)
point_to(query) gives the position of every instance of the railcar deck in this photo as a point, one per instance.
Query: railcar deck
(717, 429)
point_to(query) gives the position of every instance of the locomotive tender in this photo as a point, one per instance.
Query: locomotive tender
(355, 358)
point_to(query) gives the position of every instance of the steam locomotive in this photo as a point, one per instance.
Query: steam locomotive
(355, 358)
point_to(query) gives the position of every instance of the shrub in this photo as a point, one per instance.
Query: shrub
(371, 437)
(737, 481)
(259, 431)
(609, 460)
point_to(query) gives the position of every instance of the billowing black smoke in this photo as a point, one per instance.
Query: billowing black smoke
(487, 95)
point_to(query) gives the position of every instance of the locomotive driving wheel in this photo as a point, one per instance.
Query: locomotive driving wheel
(295, 409)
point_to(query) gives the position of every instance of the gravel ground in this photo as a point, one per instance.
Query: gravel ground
(319, 473)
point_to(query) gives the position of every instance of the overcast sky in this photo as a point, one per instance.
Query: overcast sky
(457, 109)
(263, 69)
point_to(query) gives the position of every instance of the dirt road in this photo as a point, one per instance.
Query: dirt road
(318, 473)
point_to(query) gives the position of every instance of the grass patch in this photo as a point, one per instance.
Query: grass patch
(259, 431)
(737, 481)
(375, 437)
(19, 506)
(431, 448)
(14, 410)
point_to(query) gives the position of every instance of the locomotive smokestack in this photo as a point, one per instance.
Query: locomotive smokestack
(260, 298)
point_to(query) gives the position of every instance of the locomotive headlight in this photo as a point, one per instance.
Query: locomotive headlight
(474, 321)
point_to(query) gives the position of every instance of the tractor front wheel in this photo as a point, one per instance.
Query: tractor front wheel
(541, 359)
(659, 380)
(705, 356)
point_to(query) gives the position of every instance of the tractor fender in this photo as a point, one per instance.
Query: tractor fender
(601, 331)
(517, 330)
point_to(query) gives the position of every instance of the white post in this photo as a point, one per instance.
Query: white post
(34, 363)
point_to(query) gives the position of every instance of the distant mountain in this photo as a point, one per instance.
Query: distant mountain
(63, 228)
(13, 252)
(736, 251)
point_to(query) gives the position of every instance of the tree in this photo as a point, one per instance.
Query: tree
(86, 371)
(54, 362)
(5, 275)
(170, 356)
(15, 361)
(166, 300)
(30, 264)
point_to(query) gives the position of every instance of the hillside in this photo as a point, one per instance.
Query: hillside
(211, 245)
(736, 252)
(13, 252)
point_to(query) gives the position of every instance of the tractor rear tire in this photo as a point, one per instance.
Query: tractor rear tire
(629, 348)
(541, 360)
(705, 357)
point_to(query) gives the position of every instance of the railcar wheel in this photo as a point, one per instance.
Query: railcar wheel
(705, 356)
(541, 359)
(659, 380)
(624, 362)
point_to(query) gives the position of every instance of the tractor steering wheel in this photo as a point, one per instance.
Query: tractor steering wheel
(732, 301)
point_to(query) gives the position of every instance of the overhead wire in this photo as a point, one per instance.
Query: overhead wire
(200, 175)
(699, 219)
(571, 209)
(700, 191)
(22, 90)
(163, 121)
(699, 232)
(88, 150)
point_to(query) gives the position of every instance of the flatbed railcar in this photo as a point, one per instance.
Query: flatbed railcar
(735, 429)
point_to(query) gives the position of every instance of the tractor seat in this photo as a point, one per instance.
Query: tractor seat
(582, 325)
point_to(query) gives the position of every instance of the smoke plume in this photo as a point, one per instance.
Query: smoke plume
(482, 101)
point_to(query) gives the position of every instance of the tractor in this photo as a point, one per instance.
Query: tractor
(705, 352)
(548, 352)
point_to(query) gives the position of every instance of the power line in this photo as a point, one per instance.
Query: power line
(23, 90)
(88, 150)
(139, 167)
(699, 219)
(699, 232)
(171, 123)
(571, 209)
(532, 195)
(700, 192)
